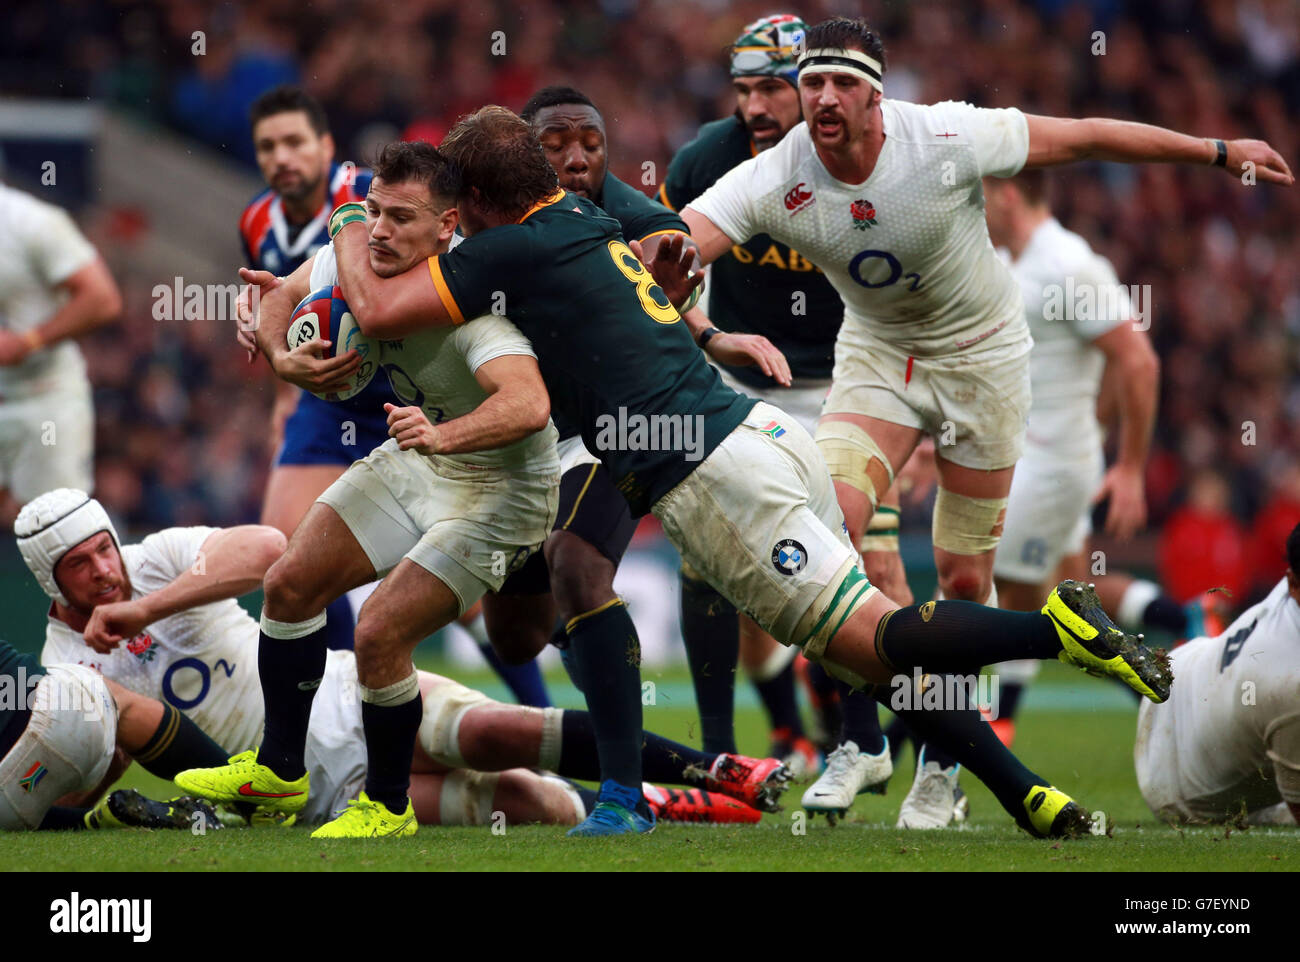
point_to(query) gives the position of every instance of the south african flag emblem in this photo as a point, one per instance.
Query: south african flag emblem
(33, 777)
(773, 430)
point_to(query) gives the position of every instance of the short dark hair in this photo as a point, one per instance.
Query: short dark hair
(403, 161)
(285, 99)
(1293, 549)
(845, 34)
(554, 96)
(498, 155)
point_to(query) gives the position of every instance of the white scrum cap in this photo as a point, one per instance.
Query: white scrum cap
(50, 526)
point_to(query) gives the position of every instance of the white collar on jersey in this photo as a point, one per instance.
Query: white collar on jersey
(310, 230)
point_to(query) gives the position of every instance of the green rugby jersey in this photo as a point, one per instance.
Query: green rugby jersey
(15, 710)
(640, 218)
(753, 287)
(616, 357)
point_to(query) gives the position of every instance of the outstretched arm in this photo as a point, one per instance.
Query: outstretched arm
(1061, 140)
(387, 307)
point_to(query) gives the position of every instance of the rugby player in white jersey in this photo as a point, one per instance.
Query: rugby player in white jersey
(752, 508)
(444, 511)
(159, 621)
(1227, 743)
(54, 288)
(1083, 324)
(885, 197)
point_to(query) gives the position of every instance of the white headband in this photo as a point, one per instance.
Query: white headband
(50, 526)
(839, 60)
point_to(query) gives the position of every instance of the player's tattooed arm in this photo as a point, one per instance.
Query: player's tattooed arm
(516, 406)
(231, 562)
(1062, 140)
(386, 307)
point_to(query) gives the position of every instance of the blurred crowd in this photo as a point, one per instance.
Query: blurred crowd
(182, 436)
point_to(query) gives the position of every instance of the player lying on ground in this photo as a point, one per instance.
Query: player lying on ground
(934, 339)
(750, 504)
(1227, 743)
(66, 732)
(160, 619)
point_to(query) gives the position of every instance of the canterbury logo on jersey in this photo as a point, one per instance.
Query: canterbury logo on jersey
(799, 198)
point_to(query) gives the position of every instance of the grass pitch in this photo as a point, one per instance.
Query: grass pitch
(1078, 732)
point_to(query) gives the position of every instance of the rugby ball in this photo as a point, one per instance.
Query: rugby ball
(325, 314)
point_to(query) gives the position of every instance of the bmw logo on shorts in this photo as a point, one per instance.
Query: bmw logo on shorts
(789, 557)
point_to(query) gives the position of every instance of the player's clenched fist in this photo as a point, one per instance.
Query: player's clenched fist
(112, 624)
(411, 427)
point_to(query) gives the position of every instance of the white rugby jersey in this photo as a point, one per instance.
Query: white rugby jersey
(908, 250)
(40, 248)
(203, 661)
(1072, 297)
(1234, 711)
(434, 370)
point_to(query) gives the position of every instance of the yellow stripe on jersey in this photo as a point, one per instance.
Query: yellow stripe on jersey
(663, 198)
(585, 485)
(544, 202)
(573, 622)
(444, 292)
(670, 230)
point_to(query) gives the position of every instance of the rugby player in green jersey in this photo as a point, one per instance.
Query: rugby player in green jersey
(769, 288)
(738, 486)
(593, 525)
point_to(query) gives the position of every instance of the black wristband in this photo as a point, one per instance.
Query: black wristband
(705, 335)
(1221, 159)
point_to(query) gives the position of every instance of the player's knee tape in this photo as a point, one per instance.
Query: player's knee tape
(444, 707)
(467, 797)
(849, 452)
(398, 693)
(844, 594)
(967, 526)
(882, 530)
(548, 755)
(290, 630)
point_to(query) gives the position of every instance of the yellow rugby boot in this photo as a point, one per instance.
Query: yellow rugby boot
(1092, 642)
(366, 819)
(1050, 813)
(244, 779)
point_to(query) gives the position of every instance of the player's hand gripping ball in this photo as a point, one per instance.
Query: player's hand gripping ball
(324, 314)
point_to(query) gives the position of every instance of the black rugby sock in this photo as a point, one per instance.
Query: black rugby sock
(391, 718)
(711, 633)
(177, 744)
(861, 720)
(778, 698)
(962, 636)
(291, 670)
(967, 739)
(662, 759)
(607, 655)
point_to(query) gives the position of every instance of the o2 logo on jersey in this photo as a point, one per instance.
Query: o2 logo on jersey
(185, 666)
(874, 269)
(789, 556)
